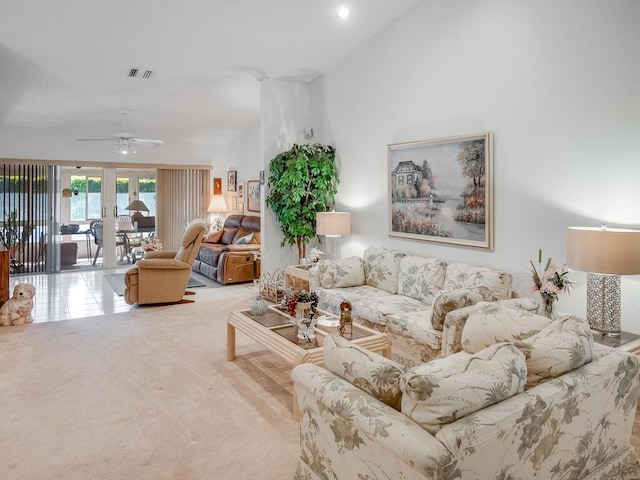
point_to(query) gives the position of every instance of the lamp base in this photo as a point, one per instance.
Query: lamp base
(334, 247)
(603, 303)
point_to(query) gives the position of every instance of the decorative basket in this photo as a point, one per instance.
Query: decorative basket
(272, 285)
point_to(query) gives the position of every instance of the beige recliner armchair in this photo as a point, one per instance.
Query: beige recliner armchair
(162, 276)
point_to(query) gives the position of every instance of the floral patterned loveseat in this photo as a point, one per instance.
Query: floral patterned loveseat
(551, 405)
(408, 296)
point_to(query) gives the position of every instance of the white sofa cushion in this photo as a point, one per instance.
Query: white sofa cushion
(420, 278)
(345, 272)
(562, 346)
(371, 372)
(463, 275)
(381, 268)
(447, 389)
(492, 323)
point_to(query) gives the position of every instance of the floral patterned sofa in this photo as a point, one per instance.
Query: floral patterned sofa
(408, 296)
(544, 402)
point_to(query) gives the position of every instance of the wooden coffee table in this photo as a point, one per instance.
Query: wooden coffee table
(275, 331)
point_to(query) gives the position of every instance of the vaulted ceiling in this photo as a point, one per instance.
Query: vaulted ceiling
(65, 66)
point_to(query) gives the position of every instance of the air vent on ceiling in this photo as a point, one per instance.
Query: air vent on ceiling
(133, 73)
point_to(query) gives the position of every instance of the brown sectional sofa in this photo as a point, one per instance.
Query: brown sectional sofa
(228, 256)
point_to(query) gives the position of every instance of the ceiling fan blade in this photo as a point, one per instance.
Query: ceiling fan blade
(147, 141)
(94, 139)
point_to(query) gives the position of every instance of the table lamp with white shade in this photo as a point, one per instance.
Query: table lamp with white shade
(605, 254)
(218, 204)
(333, 225)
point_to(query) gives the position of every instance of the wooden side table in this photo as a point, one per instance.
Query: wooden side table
(296, 277)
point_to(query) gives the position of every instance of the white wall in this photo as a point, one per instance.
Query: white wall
(242, 154)
(556, 83)
(286, 110)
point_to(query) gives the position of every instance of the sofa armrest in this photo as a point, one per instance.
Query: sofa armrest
(159, 254)
(450, 300)
(353, 432)
(163, 263)
(454, 322)
(251, 247)
(237, 265)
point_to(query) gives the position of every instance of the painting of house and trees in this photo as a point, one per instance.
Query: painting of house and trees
(441, 190)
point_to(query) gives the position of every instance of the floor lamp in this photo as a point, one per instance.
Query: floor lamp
(333, 225)
(605, 254)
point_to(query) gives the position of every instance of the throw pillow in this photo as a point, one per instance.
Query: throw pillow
(463, 275)
(371, 372)
(447, 389)
(228, 234)
(255, 238)
(213, 237)
(420, 278)
(493, 323)
(243, 240)
(381, 268)
(346, 272)
(562, 346)
(242, 232)
(450, 300)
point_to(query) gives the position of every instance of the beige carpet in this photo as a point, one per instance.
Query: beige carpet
(143, 395)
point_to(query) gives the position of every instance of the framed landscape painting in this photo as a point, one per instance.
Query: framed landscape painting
(441, 190)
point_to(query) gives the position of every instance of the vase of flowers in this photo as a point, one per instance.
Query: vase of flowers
(550, 282)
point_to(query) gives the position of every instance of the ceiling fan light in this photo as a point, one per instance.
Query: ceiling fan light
(123, 148)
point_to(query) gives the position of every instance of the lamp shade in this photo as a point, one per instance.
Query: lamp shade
(138, 206)
(613, 251)
(333, 224)
(217, 204)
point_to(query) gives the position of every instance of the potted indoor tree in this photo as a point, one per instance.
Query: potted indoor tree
(303, 181)
(14, 235)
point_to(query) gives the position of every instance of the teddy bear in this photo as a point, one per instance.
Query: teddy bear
(17, 310)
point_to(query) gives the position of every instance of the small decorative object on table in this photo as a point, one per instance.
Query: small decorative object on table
(291, 298)
(550, 282)
(345, 328)
(260, 306)
(272, 285)
(151, 243)
(314, 255)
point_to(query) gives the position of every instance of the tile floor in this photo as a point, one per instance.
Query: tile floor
(86, 293)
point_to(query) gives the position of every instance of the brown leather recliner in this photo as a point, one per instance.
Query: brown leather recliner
(162, 276)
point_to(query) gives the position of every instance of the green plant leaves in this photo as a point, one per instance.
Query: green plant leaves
(303, 181)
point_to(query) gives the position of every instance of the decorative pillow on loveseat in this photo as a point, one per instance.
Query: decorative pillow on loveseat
(447, 389)
(562, 346)
(371, 372)
(420, 277)
(381, 268)
(463, 275)
(493, 323)
(346, 272)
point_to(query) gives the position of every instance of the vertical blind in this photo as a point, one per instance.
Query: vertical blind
(27, 213)
(182, 196)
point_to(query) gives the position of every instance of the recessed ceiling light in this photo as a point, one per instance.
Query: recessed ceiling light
(343, 12)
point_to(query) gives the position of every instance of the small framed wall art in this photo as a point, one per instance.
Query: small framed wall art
(234, 203)
(232, 183)
(217, 186)
(253, 195)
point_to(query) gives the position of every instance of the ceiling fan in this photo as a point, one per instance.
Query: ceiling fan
(124, 141)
